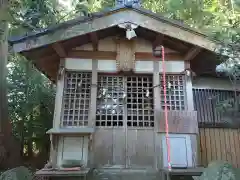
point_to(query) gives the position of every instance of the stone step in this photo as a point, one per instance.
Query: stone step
(125, 174)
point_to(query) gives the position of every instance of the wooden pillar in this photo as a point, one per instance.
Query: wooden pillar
(53, 151)
(190, 107)
(59, 96)
(93, 103)
(189, 92)
(157, 108)
(93, 107)
(57, 112)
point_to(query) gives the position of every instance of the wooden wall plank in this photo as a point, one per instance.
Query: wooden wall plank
(232, 148)
(194, 146)
(202, 148)
(208, 145)
(179, 122)
(102, 147)
(234, 154)
(220, 144)
(158, 151)
(227, 144)
(214, 143)
(131, 147)
(145, 148)
(119, 154)
(223, 149)
(140, 150)
(235, 147)
(237, 139)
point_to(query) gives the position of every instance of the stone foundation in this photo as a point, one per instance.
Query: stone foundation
(116, 174)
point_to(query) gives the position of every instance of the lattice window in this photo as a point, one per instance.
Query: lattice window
(118, 95)
(76, 99)
(110, 101)
(140, 101)
(176, 92)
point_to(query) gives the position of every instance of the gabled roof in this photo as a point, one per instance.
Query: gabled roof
(110, 18)
(82, 19)
(40, 46)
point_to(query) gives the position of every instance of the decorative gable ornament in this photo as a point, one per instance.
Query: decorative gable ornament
(125, 60)
(128, 3)
(129, 27)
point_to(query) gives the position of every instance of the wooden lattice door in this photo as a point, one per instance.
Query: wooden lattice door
(109, 139)
(124, 106)
(125, 101)
(139, 122)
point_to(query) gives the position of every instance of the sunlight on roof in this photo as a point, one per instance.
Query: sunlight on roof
(10, 65)
(67, 4)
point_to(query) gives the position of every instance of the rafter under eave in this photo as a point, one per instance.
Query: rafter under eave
(59, 49)
(192, 53)
(94, 40)
(159, 40)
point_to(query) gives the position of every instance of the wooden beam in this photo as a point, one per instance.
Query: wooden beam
(92, 54)
(149, 56)
(192, 53)
(112, 55)
(59, 50)
(94, 40)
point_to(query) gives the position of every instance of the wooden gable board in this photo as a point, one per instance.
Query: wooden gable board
(113, 19)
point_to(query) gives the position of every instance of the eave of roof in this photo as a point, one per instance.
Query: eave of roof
(40, 32)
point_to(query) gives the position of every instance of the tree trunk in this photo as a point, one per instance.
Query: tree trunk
(30, 140)
(3, 70)
(3, 104)
(8, 152)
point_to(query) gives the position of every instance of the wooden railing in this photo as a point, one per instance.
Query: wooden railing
(205, 103)
(179, 122)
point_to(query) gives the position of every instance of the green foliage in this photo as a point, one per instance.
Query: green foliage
(31, 98)
(28, 15)
(30, 93)
(220, 171)
(19, 173)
